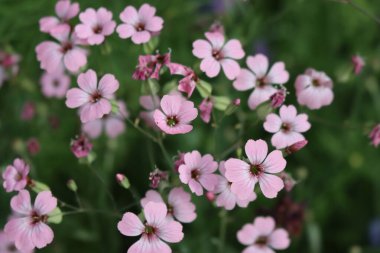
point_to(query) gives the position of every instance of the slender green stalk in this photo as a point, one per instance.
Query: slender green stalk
(222, 230)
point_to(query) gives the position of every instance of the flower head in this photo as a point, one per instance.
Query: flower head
(8, 246)
(150, 65)
(33, 146)
(139, 25)
(375, 136)
(278, 98)
(9, 65)
(260, 168)
(81, 146)
(156, 177)
(15, 176)
(28, 111)
(188, 83)
(260, 78)
(216, 53)
(55, 84)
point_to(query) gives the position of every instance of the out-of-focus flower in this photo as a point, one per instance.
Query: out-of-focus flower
(216, 27)
(54, 121)
(55, 84)
(8, 66)
(314, 89)
(139, 25)
(374, 135)
(176, 115)
(154, 231)
(150, 104)
(179, 161)
(179, 204)
(290, 215)
(198, 172)
(216, 54)
(8, 246)
(374, 232)
(206, 108)
(92, 98)
(258, 77)
(95, 26)
(156, 177)
(33, 146)
(262, 236)
(358, 64)
(150, 65)
(296, 147)
(189, 82)
(260, 168)
(28, 111)
(287, 127)
(81, 146)
(278, 98)
(16, 176)
(289, 182)
(28, 229)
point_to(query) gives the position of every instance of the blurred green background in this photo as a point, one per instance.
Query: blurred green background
(339, 171)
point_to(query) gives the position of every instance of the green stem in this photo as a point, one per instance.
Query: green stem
(165, 152)
(151, 137)
(222, 230)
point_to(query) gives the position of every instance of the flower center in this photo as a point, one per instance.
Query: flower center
(316, 83)
(262, 241)
(170, 209)
(217, 55)
(286, 127)
(149, 230)
(97, 29)
(195, 173)
(55, 83)
(95, 97)
(66, 46)
(18, 177)
(140, 27)
(260, 82)
(256, 170)
(11, 248)
(36, 218)
(172, 121)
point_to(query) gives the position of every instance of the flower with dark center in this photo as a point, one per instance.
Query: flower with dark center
(316, 83)
(262, 241)
(96, 96)
(195, 173)
(286, 127)
(97, 29)
(36, 218)
(217, 54)
(66, 46)
(172, 121)
(149, 230)
(256, 170)
(140, 27)
(260, 82)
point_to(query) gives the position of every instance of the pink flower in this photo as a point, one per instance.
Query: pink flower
(156, 177)
(16, 176)
(95, 26)
(156, 229)
(314, 89)
(278, 98)
(28, 111)
(176, 115)
(262, 237)
(215, 53)
(259, 168)
(140, 25)
(287, 127)
(92, 98)
(150, 65)
(55, 57)
(65, 11)
(375, 136)
(150, 104)
(259, 78)
(29, 230)
(8, 246)
(188, 83)
(197, 172)
(113, 124)
(206, 108)
(8, 66)
(55, 84)
(226, 198)
(81, 146)
(179, 161)
(358, 64)
(33, 146)
(179, 204)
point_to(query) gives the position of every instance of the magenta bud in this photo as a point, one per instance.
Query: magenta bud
(375, 136)
(123, 180)
(81, 146)
(278, 98)
(210, 196)
(296, 147)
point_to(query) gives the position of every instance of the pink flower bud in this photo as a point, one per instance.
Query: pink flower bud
(123, 180)
(216, 27)
(278, 98)
(210, 196)
(156, 177)
(206, 108)
(296, 147)
(375, 136)
(358, 64)
(81, 146)
(236, 102)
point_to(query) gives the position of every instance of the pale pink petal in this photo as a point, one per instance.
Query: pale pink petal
(231, 68)
(41, 235)
(93, 128)
(171, 104)
(154, 24)
(129, 15)
(141, 37)
(187, 112)
(244, 188)
(209, 181)
(279, 239)
(146, 12)
(114, 127)
(272, 123)
(125, 30)
(247, 235)
(196, 187)
(216, 39)
(210, 66)
(233, 49)
(130, 225)
(236, 170)
(202, 49)
(288, 113)
(245, 80)
(258, 64)
(151, 196)
(275, 162)
(260, 95)
(75, 59)
(108, 85)
(76, 97)
(278, 74)
(150, 244)
(256, 151)
(45, 202)
(207, 164)
(301, 123)
(270, 185)
(21, 203)
(170, 231)
(155, 213)
(88, 81)
(281, 139)
(264, 225)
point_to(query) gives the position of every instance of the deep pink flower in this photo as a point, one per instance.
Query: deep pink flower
(261, 236)
(258, 77)
(92, 98)
(140, 25)
(198, 172)
(226, 198)
(67, 54)
(314, 89)
(95, 26)
(8, 246)
(150, 104)
(150, 65)
(156, 229)
(179, 204)
(81, 146)
(278, 98)
(188, 83)
(156, 177)
(33, 146)
(28, 229)
(215, 53)
(65, 11)
(16, 176)
(206, 108)
(358, 64)
(375, 136)
(259, 168)
(28, 111)
(287, 127)
(55, 84)
(296, 147)
(176, 115)
(9, 66)
(113, 124)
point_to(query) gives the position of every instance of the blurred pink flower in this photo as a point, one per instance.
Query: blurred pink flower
(8, 246)
(260, 168)
(55, 84)
(156, 177)
(113, 124)
(261, 236)
(216, 27)
(176, 115)
(375, 136)
(179, 204)
(154, 231)
(9, 66)
(289, 181)
(16, 176)
(215, 53)
(28, 229)
(150, 104)
(150, 65)
(205, 109)
(287, 127)
(140, 25)
(358, 64)
(81, 146)
(33, 146)
(28, 111)
(188, 83)
(95, 26)
(226, 198)
(198, 172)
(260, 78)
(92, 98)
(67, 54)
(314, 89)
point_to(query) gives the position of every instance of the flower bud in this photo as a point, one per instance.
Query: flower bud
(123, 181)
(72, 185)
(296, 147)
(81, 146)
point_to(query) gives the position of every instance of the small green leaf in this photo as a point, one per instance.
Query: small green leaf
(38, 187)
(150, 46)
(150, 87)
(204, 88)
(221, 103)
(55, 216)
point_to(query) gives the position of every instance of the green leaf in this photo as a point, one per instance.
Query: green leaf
(204, 88)
(38, 187)
(149, 47)
(55, 216)
(169, 86)
(150, 87)
(221, 103)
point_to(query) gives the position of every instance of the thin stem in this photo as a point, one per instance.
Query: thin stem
(79, 211)
(222, 230)
(359, 8)
(64, 204)
(165, 152)
(151, 137)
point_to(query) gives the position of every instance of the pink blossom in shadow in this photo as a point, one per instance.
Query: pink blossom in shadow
(190, 80)
(9, 66)
(205, 109)
(8, 246)
(150, 104)
(81, 146)
(55, 84)
(358, 64)
(15, 176)
(375, 136)
(150, 66)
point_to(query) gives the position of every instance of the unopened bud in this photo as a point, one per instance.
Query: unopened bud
(296, 147)
(210, 196)
(72, 185)
(123, 181)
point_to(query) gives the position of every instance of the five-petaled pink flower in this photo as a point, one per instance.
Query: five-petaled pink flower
(8, 246)
(258, 77)
(259, 168)
(150, 104)
(28, 229)
(190, 80)
(179, 204)
(55, 57)
(141, 25)
(92, 98)
(375, 136)
(95, 26)
(16, 176)
(55, 84)
(176, 115)
(314, 89)
(261, 236)
(226, 198)
(198, 172)
(215, 53)
(154, 231)
(287, 127)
